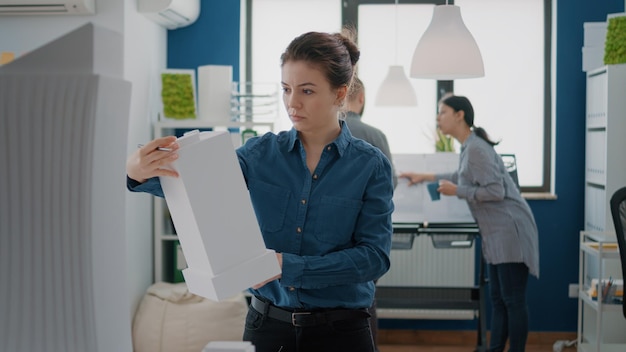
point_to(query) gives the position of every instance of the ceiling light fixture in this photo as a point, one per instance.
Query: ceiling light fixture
(447, 50)
(396, 89)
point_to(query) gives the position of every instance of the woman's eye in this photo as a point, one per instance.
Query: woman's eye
(286, 90)
(307, 91)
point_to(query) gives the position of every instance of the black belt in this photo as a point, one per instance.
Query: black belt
(304, 318)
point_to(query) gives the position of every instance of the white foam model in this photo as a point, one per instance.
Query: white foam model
(64, 110)
(214, 219)
(229, 346)
(214, 92)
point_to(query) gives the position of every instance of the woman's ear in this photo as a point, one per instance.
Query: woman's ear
(460, 116)
(341, 94)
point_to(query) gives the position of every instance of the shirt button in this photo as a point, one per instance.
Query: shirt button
(299, 230)
(315, 177)
(328, 148)
(303, 201)
(292, 288)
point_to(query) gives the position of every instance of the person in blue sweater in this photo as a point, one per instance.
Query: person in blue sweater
(507, 226)
(323, 201)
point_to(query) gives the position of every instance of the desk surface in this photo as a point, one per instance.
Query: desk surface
(413, 203)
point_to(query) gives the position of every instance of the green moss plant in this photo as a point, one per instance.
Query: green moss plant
(177, 94)
(615, 44)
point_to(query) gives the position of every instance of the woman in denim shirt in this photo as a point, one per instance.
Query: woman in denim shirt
(323, 200)
(507, 227)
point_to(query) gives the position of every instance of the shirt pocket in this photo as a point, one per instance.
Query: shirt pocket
(270, 205)
(337, 219)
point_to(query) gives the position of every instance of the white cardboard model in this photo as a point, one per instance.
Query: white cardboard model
(214, 219)
(229, 346)
(214, 92)
(64, 116)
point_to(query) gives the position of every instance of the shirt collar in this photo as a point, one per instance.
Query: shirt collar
(341, 142)
(352, 115)
(469, 138)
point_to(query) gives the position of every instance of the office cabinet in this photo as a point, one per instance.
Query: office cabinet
(601, 324)
(167, 259)
(605, 143)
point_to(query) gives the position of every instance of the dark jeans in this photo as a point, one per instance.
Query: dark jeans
(270, 335)
(374, 324)
(509, 318)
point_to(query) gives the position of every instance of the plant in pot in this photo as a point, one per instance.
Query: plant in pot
(443, 143)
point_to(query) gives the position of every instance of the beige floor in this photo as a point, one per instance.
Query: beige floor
(404, 348)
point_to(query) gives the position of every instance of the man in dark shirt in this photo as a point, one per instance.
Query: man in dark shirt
(355, 104)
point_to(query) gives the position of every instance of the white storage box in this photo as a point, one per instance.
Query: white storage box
(214, 85)
(595, 34)
(593, 57)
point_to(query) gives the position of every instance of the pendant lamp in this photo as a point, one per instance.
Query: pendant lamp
(396, 89)
(447, 50)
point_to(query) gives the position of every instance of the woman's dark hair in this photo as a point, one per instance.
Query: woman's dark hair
(460, 103)
(334, 54)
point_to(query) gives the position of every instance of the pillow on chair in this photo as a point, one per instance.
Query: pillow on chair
(170, 318)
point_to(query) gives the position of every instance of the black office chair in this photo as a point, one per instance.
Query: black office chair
(510, 163)
(618, 211)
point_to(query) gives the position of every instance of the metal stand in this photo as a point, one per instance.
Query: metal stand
(446, 298)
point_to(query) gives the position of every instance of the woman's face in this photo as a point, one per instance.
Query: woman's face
(448, 119)
(310, 101)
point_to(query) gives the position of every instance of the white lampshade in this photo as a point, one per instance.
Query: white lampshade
(447, 50)
(396, 89)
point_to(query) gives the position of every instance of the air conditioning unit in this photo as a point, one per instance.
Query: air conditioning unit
(47, 7)
(171, 14)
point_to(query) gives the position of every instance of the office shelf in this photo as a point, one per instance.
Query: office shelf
(601, 324)
(165, 239)
(605, 121)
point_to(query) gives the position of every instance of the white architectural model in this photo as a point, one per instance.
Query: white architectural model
(64, 110)
(214, 218)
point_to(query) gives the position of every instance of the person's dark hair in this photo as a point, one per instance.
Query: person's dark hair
(460, 103)
(334, 54)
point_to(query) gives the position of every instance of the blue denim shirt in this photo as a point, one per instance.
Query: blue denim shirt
(333, 227)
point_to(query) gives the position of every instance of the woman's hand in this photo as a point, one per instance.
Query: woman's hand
(416, 178)
(279, 256)
(446, 187)
(148, 161)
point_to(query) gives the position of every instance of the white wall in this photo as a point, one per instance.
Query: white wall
(144, 56)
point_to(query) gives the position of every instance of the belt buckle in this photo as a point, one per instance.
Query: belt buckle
(294, 316)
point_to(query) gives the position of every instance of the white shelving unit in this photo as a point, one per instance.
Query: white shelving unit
(605, 151)
(601, 325)
(166, 254)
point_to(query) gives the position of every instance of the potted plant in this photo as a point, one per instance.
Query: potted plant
(443, 143)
